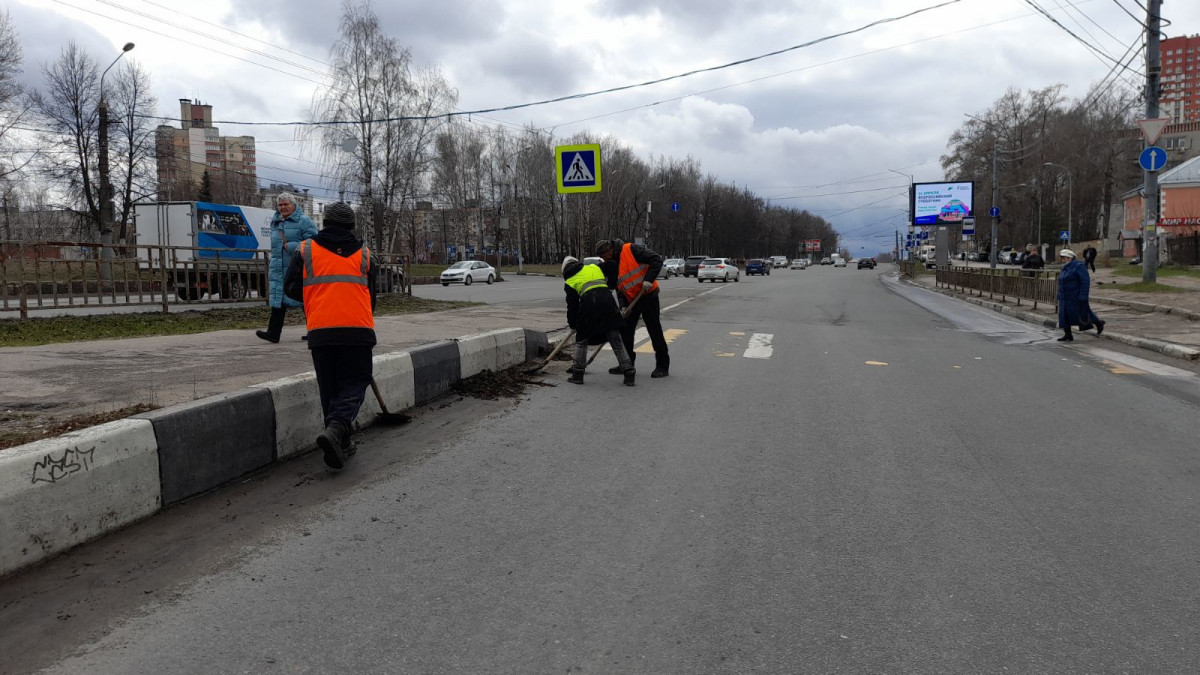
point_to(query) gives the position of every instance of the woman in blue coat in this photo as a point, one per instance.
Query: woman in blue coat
(1073, 288)
(289, 227)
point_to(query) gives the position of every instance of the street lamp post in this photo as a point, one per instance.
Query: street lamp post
(106, 190)
(907, 206)
(1070, 193)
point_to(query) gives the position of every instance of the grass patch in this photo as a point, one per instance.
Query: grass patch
(1150, 287)
(50, 330)
(1135, 271)
(15, 429)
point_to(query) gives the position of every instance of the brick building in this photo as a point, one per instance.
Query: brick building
(185, 154)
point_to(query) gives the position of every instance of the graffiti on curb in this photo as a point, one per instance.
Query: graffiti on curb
(51, 470)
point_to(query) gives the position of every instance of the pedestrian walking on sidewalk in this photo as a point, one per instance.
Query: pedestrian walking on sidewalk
(1032, 262)
(632, 269)
(289, 227)
(1074, 286)
(1089, 257)
(334, 277)
(593, 314)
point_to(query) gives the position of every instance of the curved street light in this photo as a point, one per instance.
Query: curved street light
(106, 205)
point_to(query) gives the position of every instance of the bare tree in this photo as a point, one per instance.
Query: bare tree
(134, 142)
(67, 109)
(14, 107)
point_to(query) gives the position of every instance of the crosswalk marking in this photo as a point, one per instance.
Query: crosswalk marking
(669, 335)
(760, 346)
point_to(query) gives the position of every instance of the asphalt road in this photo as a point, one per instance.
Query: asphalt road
(538, 291)
(841, 475)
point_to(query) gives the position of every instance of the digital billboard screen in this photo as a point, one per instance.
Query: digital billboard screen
(943, 203)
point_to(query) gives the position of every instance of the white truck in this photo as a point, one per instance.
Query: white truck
(206, 248)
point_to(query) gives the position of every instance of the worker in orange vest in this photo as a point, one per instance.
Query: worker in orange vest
(632, 270)
(334, 277)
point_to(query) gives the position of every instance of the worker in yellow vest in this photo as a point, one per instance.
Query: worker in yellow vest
(334, 277)
(593, 315)
(632, 270)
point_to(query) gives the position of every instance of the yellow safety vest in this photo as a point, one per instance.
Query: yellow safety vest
(587, 279)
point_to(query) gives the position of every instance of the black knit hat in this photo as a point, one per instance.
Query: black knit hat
(339, 215)
(603, 245)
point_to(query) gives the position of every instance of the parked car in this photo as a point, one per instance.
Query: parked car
(1005, 255)
(799, 264)
(691, 265)
(868, 263)
(672, 267)
(718, 268)
(839, 262)
(826, 261)
(468, 272)
(757, 266)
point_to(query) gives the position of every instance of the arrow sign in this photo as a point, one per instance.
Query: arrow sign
(1153, 158)
(1152, 129)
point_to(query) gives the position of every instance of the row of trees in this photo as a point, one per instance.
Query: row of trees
(49, 148)
(1051, 149)
(385, 136)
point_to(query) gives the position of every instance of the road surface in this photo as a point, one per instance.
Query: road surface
(842, 474)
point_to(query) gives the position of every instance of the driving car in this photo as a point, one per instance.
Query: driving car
(779, 260)
(839, 262)
(691, 265)
(672, 267)
(468, 272)
(868, 263)
(718, 268)
(757, 266)
(799, 264)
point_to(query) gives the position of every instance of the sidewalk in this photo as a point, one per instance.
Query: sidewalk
(47, 383)
(1167, 323)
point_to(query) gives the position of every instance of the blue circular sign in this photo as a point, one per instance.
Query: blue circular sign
(994, 212)
(675, 206)
(1153, 158)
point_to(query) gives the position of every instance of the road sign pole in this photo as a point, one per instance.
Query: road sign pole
(1153, 68)
(995, 199)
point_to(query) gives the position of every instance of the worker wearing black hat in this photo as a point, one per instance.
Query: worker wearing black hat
(334, 277)
(632, 270)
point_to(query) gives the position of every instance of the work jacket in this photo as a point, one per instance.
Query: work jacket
(334, 276)
(591, 310)
(636, 264)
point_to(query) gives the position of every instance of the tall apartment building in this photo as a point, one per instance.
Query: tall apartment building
(185, 154)
(1180, 98)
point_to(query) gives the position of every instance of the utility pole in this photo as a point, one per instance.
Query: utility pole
(1153, 69)
(648, 223)
(995, 202)
(106, 190)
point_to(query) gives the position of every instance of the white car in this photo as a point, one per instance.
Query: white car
(672, 267)
(779, 260)
(718, 268)
(798, 264)
(839, 262)
(468, 272)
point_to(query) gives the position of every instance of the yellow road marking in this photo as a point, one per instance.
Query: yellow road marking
(876, 363)
(725, 355)
(669, 335)
(739, 334)
(1118, 369)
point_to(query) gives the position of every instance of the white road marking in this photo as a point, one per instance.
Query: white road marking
(1145, 365)
(698, 295)
(760, 346)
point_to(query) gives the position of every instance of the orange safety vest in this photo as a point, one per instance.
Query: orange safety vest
(336, 294)
(631, 274)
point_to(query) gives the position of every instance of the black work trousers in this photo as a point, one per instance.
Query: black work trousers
(343, 375)
(647, 309)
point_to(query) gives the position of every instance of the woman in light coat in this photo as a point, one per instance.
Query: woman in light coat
(289, 227)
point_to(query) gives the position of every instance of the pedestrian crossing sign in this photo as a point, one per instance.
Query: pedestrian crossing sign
(578, 168)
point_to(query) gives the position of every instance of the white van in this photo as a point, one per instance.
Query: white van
(927, 254)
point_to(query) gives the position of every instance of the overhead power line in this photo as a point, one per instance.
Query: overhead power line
(571, 97)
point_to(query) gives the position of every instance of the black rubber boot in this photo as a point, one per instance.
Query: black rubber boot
(332, 441)
(274, 326)
(615, 370)
(629, 377)
(1099, 327)
(659, 372)
(576, 377)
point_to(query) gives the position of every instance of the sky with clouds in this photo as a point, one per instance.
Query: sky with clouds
(796, 127)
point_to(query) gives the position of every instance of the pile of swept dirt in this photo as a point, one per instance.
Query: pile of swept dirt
(491, 386)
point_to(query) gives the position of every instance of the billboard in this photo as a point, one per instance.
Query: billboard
(942, 203)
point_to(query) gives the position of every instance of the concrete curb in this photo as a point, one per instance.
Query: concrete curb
(60, 492)
(1148, 308)
(1161, 346)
